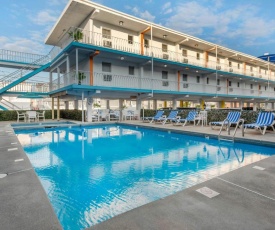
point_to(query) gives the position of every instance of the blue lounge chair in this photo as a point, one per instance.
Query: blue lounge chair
(231, 119)
(171, 117)
(264, 120)
(190, 117)
(156, 117)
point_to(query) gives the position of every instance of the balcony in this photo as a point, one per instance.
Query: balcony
(147, 83)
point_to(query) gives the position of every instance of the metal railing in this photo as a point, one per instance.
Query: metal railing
(123, 44)
(147, 83)
(20, 57)
(33, 87)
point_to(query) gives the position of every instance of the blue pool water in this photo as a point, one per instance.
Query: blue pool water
(96, 173)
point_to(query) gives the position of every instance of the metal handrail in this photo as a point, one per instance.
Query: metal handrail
(228, 126)
(242, 127)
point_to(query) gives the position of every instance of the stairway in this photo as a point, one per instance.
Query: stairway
(26, 72)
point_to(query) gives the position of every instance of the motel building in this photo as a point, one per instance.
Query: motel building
(101, 53)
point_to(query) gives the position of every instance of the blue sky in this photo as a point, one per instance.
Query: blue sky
(244, 25)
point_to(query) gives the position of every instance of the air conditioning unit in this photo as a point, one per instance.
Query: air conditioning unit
(252, 74)
(185, 60)
(165, 56)
(185, 85)
(230, 89)
(107, 77)
(218, 88)
(107, 43)
(165, 83)
(230, 69)
(218, 67)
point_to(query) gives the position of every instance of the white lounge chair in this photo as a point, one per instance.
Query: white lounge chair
(264, 120)
(31, 115)
(40, 115)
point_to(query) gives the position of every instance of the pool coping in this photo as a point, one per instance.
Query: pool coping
(45, 216)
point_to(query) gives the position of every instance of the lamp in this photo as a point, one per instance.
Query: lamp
(120, 23)
(164, 36)
(122, 58)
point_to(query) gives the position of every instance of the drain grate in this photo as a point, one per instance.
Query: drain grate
(207, 192)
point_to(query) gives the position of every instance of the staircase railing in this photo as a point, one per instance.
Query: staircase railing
(9, 104)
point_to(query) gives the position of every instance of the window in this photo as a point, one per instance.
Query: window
(218, 60)
(251, 68)
(265, 88)
(164, 48)
(229, 83)
(184, 53)
(230, 64)
(146, 43)
(274, 88)
(260, 87)
(165, 77)
(184, 77)
(106, 33)
(218, 81)
(106, 67)
(239, 66)
(207, 80)
(131, 70)
(198, 79)
(251, 86)
(238, 84)
(130, 39)
(198, 56)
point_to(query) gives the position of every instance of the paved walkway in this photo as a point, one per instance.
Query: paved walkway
(246, 198)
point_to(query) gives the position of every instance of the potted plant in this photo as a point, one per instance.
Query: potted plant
(76, 35)
(81, 77)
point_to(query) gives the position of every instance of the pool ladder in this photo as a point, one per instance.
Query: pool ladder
(230, 138)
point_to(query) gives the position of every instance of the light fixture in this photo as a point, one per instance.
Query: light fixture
(252, 99)
(165, 66)
(187, 95)
(122, 58)
(186, 68)
(196, 45)
(121, 23)
(235, 98)
(97, 91)
(239, 58)
(197, 71)
(164, 36)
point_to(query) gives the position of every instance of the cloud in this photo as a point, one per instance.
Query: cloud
(44, 17)
(22, 45)
(166, 8)
(210, 19)
(146, 15)
(57, 2)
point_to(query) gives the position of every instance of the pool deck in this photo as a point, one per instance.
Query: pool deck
(246, 198)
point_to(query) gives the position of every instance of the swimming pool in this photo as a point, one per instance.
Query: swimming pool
(94, 173)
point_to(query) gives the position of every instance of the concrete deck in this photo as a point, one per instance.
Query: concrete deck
(246, 197)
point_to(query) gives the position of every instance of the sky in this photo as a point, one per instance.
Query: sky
(247, 26)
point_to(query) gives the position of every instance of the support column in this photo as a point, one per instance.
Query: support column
(58, 77)
(202, 104)
(58, 109)
(255, 106)
(76, 104)
(89, 105)
(165, 104)
(51, 81)
(221, 104)
(155, 104)
(241, 104)
(174, 103)
(120, 106)
(107, 104)
(181, 103)
(52, 108)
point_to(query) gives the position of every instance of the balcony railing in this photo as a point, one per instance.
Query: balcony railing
(32, 87)
(147, 83)
(125, 45)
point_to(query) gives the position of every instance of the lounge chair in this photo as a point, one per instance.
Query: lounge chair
(172, 117)
(40, 115)
(21, 115)
(264, 120)
(156, 117)
(231, 119)
(190, 117)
